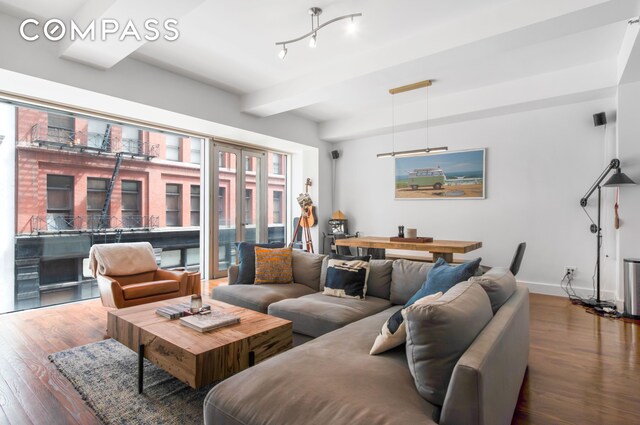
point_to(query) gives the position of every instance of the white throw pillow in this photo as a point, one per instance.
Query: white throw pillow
(386, 340)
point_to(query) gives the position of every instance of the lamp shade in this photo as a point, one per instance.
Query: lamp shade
(619, 179)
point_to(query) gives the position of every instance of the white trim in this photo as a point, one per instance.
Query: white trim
(555, 290)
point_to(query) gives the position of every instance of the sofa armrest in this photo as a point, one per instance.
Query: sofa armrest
(110, 292)
(232, 276)
(486, 381)
(181, 277)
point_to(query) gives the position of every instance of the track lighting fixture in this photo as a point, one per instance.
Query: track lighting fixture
(315, 13)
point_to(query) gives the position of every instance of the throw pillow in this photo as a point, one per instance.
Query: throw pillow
(439, 333)
(386, 340)
(274, 265)
(347, 276)
(247, 258)
(499, 283)
(442, 276)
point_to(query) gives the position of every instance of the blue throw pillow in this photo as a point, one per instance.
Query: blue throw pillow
(440, 278)
(247, 257)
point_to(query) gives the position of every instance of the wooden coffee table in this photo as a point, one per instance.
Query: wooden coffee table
(195, 358)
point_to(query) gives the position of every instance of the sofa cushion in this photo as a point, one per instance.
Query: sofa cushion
(330, 380)
(499, 283)
(439, 333)
(406, 278)
(390, 338)
(247, 259)
(347, 276)
(307, 268)
(148, 289)
(318, 314)
(258, 297)
(274, 265)
(379, 282)
(443, 277)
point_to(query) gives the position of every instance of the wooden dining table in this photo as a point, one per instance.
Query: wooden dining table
(438, 248)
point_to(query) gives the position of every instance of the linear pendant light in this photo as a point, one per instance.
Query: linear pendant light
(315, 13)
(416, 152)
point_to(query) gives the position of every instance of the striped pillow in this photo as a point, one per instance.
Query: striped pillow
(274, 265)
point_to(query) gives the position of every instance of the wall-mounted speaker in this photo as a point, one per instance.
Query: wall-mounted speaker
(335, 154)
(599, 119)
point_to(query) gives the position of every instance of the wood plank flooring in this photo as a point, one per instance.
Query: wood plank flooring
(583, 369)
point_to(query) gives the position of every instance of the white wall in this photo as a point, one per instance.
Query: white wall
(7, 215)
(629, 153)
(539, 164)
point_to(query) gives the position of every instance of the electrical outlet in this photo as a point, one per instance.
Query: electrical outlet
(571, 271)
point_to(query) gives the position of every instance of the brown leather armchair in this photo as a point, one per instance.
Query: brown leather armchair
(142, 288)
(127, 275)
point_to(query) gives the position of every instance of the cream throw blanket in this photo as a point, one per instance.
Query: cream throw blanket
(121, 259)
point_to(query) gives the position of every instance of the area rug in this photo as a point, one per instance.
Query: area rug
(105, 374)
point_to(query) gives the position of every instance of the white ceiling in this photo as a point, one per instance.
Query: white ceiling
(466, 46)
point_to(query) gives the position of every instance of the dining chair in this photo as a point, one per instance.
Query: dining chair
(517, 258)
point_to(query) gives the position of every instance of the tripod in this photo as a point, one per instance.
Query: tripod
(304, 223)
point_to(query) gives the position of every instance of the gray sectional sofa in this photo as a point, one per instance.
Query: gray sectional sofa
(332, 379)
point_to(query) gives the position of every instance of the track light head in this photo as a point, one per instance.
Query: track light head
(283, 53)
(313, 41)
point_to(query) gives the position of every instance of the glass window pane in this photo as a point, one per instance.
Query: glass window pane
(170, 259)
(173, 147)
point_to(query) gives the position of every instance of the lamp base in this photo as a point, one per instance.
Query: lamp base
(593, 303)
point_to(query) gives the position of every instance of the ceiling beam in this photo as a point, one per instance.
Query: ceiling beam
(104, 54)
(510, 25)
(629, 54)
(570, 85)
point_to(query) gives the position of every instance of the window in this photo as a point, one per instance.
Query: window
(195, 205)
(131, 204)
(59, 202)
(61, 128)
(222, 199)
(196, 148)
(96, 195)
(248, 164)
(98, 135)
(173, 147)
(222, 160)
(131, 139)
(277, 206)
(248, 206)
(173, 205)
(277, 163)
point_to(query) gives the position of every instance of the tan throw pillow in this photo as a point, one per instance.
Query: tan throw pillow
(386, 340)
(274, 265)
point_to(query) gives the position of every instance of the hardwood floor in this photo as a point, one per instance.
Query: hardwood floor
(583, 369)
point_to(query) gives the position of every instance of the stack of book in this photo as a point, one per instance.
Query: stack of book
(205, 323)
(176, 311)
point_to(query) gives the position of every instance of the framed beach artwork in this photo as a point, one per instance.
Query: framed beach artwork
(447, 175)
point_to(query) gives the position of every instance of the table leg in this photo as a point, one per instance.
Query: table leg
(252, 358)
(140, 367)
(446, 256)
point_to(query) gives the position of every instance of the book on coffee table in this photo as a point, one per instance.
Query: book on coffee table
(205, 323)
(176, 311)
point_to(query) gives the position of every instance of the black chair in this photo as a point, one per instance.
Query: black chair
(517, 258)
(341, 250)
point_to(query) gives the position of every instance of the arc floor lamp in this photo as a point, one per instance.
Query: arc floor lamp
(616, 180)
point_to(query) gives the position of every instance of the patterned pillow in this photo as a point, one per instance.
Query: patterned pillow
(274, 265)
(247, 258)
(347, 276)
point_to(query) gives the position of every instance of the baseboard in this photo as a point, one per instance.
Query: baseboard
(556, 290)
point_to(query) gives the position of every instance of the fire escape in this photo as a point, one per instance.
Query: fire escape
(103, 144)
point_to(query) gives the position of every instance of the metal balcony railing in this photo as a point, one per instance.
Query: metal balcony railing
(92, 142)
(56, 223)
